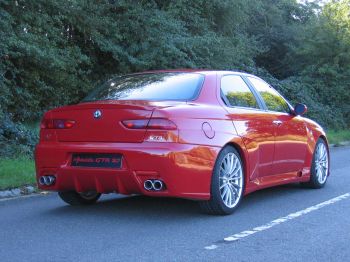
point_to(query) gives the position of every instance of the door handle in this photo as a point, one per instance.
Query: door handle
(277, 122)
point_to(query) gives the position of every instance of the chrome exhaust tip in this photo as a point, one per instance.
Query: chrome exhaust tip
(42, 181)
(50, 180)
(47, 180)
(148, 185)
(158, 185)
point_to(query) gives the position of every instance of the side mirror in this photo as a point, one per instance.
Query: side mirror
(300, 109)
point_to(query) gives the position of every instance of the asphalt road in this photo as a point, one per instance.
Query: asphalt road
(43, 228)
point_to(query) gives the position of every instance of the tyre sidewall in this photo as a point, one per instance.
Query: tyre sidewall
(73, 198)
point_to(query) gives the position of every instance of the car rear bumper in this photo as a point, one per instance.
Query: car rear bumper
(185, 169)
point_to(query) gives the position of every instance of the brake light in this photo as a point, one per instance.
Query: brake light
(162, 124)
(57, 124)
(135, 124)
(157, 129)
(155, 123)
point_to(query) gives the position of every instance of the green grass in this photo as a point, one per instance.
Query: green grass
(16, 172)
(336, 137)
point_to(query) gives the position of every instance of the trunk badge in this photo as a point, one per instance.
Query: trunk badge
(97, 114)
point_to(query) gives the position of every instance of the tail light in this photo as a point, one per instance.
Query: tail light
(57, 124)
(136, 124)
(156, 123)
(161, 124)
(157, 129)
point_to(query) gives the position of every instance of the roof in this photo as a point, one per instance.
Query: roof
(190, 70)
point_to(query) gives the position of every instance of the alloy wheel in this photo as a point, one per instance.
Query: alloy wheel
(231, 180)
(321, 163)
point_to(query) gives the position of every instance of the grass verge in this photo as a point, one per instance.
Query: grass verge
(16, 172)
(338, 136)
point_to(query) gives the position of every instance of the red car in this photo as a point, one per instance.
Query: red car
(211, 136)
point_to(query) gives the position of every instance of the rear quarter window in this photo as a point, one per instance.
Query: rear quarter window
(151, 86)
(237, 92)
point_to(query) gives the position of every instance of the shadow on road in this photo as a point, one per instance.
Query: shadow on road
(160, 208)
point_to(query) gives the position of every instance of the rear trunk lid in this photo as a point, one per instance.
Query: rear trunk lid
(101, 121)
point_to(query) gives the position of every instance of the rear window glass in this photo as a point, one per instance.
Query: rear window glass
(152, 86)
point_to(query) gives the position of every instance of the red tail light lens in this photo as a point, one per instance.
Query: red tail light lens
(57, 124)
(156, 123)
(69, 123)
(135, 124)
(162, 124)
(46, 124)
(157, 129)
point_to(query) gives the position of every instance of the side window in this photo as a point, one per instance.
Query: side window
(273, 100)
(237, 92)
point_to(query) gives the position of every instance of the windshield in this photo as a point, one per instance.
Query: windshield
(150, 86)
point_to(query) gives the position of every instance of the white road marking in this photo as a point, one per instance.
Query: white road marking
(211, 247)
(280, 220)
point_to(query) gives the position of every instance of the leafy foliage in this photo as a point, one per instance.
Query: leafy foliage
(53, 52)
(16, 139)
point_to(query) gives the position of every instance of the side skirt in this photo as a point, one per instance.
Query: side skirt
(276, 180)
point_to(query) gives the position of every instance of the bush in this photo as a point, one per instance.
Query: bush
(15, 139)
(52, 52)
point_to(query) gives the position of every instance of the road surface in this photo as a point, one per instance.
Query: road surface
(286, 223)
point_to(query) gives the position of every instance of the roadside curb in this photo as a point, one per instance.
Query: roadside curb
(20, 192)
(343, 143)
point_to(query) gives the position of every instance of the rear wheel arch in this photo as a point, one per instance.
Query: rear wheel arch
(314, 134)
(324, 138)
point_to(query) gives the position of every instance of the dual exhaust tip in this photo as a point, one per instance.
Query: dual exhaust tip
(149, 184)
(47, 180)
(154, 185)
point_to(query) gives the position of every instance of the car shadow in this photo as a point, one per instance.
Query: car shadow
(126, 206)
(265, 196)
(170, 208)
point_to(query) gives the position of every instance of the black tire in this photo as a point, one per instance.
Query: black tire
(314, 182)
(215, 205)
(74, 198)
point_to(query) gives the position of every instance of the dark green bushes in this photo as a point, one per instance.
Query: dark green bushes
(16, 140)
(53, 52)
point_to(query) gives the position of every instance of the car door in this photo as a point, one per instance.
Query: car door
(252, 123)
(290, 130)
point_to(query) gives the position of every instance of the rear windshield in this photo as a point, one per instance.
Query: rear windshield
(151, 86)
